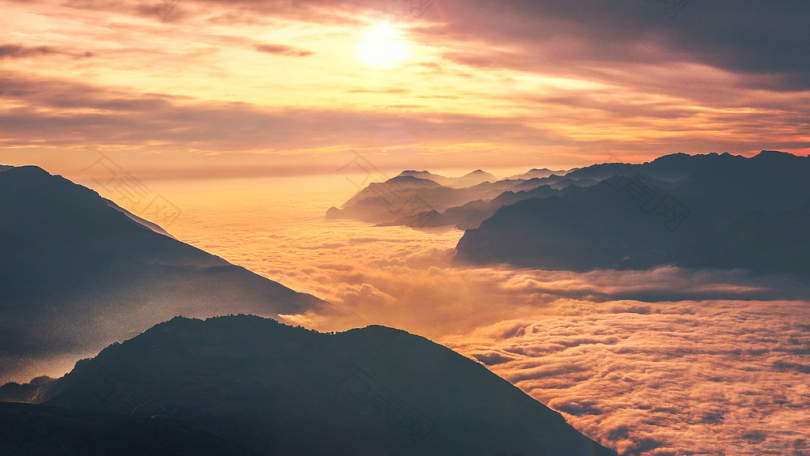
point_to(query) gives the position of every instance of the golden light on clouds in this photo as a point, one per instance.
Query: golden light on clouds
(279, 79)
(638, 360)
(381, 47)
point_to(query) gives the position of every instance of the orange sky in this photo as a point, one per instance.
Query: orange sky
(225, 88)
(220, 87)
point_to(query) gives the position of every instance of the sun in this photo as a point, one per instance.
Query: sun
(381, 47)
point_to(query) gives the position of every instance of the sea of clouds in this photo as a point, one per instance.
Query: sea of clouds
(661, 362)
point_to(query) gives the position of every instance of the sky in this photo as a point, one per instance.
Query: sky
(202, 88)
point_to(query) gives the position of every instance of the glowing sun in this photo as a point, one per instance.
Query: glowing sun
(381, 47)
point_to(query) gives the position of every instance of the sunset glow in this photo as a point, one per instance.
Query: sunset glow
(547, 218)
(381, 47)
(220, 85)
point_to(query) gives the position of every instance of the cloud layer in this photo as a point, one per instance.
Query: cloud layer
(660, 362)
(505, 83)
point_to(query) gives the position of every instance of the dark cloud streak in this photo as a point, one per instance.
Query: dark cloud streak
(18, 51)
(282, 50)
(121, 117)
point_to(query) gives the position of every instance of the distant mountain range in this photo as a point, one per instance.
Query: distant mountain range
(713, 211)
(535, 173)
(79, 272)
(269, 389)
(701, 211)
(468, 180)
(422, 199)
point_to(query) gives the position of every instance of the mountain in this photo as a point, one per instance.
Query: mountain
(555, 182)
(38, 430)
(592, 232)
(721, 211)
(407, 196)
(535, 173)
(152, 226)
(468, 180)
(282, 390)
(474, 178)
(757, 242)
(668, 168)
(441, 180)
(470, 215)
(77, 274)
(29, 392)
(770, 182)
(420, 199)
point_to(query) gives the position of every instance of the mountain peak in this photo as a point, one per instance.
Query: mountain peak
(773, 153)
(268, 385)
(27, 172)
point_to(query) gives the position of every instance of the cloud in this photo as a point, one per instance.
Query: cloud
(17, 51)
(282, 49)
(685, 381)
(665, 361)
(75, 113)
(492, 358)
(730, 36)
(504, 84)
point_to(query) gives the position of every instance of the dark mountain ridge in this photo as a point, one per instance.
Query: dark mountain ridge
(277, 389)
(423, 200)
(723, 211)
(470, 215)
(405, 196)
(473, 178)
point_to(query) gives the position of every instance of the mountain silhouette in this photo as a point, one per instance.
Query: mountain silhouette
(279, 390)
(39, 430)
(420, 199)
(470, 215)
(535, 173)
(468, 180)
(152, 226)
(78, 274)
(715, 211)
(406, 196)
(31, 392)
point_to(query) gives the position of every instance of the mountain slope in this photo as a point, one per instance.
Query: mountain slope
(38, 430)
(277, 389)
(152, 226)
(77, 274)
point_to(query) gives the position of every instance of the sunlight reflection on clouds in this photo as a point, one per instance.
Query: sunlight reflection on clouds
(658, 362)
